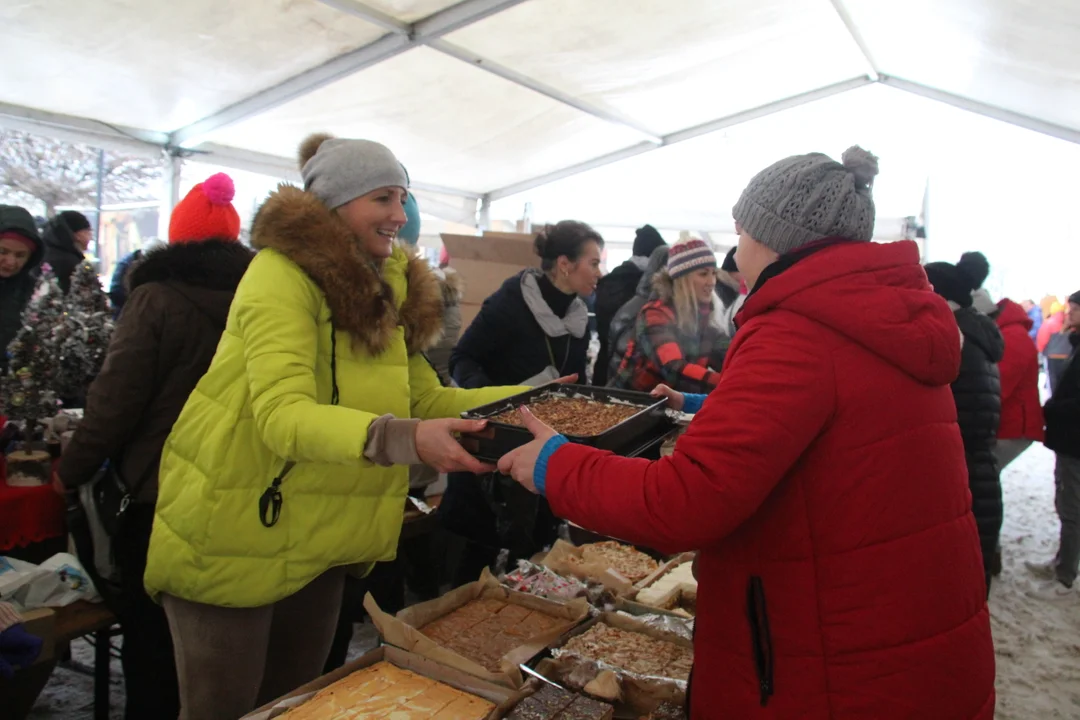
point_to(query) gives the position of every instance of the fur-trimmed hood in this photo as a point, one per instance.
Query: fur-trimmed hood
(211, 264)
(453, 287)
(205, 274)
(298, 225)
(663, 286)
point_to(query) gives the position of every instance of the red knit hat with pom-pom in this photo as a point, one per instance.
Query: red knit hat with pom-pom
(206, 213)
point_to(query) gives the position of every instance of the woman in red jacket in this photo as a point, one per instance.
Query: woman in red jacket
(1021, 410)
(823, 483)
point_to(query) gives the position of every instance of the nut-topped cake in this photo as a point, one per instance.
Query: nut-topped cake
(580, 417)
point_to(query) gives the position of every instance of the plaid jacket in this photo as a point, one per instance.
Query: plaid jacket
(661, 352)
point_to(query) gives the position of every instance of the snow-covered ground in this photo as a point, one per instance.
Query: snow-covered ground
(1038, 644)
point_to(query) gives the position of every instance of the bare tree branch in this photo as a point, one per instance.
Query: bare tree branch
(53, 172)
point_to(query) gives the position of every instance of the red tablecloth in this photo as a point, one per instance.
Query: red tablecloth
(28, 514)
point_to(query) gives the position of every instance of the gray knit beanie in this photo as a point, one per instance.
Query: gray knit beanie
(337, 170)
(810, 197)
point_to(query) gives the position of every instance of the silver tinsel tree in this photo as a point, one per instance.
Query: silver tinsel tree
(27, 392)
(59, 350)
(82, 336)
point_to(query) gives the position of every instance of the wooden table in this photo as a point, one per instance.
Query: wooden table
(68, 623)
(82, 618)
(79, 620)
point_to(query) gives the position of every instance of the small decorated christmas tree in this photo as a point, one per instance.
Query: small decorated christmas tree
(27, 391)
(82, 336)
(58, 351)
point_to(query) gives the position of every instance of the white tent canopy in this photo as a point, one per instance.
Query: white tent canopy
(485, 100)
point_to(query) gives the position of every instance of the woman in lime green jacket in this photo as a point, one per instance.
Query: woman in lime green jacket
(290, 459)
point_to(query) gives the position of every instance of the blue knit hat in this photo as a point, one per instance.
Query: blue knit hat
(410, 231)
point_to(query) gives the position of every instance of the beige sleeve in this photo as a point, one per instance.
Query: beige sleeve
(392, 441)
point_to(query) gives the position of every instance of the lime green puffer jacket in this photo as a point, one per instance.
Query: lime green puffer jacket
(310, 308)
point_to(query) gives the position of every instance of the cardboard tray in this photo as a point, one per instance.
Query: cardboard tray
(632, 696)
(504, 698)
(403, 630)
(650, 423)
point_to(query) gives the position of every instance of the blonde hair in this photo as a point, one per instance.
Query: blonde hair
(686, 304)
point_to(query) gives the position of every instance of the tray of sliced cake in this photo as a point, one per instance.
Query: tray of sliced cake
(672, 588)
(621, 421)
(391, 684)
(623, 660)
(481, 628)
(617, 565)
(549, 702)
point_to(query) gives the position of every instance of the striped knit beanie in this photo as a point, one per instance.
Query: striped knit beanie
(689, 255)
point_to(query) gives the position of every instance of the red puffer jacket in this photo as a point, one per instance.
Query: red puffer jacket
(824, 483)
(1021, 411)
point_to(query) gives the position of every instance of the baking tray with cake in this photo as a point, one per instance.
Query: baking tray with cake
(621, 421)
(481, 628)
(616, 565)
(581, 536)
(548, 702)
(672, 588)
(662, 620)
(391, 683)
(667, 711)
(623, 660)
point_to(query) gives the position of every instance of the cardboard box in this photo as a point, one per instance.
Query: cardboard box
(481, 279)
(404, 629)
(486, 261)
(504, 698)
(42, 623)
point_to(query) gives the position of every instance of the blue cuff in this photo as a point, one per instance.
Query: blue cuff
(692, 402)
(540, 471)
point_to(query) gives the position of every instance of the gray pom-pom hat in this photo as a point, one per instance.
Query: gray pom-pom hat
(806, 198)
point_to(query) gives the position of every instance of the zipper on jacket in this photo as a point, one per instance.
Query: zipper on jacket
(271, 500)
(760, 637)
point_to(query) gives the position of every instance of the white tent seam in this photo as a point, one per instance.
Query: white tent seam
(388, 46)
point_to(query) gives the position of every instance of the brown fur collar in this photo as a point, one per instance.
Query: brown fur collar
(453, 287)
(301, 227)
(664, 286)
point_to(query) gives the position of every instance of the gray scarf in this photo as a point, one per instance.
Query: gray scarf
(576, 321)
